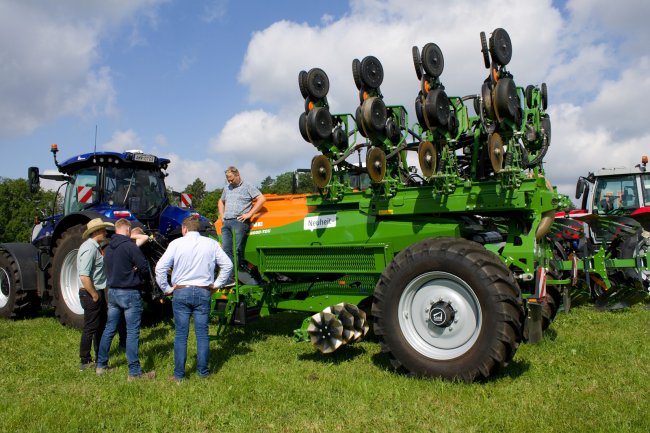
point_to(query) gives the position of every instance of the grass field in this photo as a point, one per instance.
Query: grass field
(590, 374)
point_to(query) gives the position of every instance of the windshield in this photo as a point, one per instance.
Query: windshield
(81, 191)
(140, 190)
(616, 192)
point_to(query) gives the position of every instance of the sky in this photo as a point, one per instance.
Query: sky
(213, 83)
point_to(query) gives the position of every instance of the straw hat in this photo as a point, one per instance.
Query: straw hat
(94, 225)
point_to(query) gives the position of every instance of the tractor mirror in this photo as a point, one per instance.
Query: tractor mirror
(33, 179)
(580, 187)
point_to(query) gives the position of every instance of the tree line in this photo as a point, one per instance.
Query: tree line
(19, 208)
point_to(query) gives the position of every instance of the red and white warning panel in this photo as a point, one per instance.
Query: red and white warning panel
(84, 194)
(186, 200)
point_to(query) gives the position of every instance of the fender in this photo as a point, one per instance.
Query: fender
(25, 256)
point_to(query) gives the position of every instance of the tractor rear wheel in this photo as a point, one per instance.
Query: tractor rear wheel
(15, 303)
(65, 280)
(448, 308)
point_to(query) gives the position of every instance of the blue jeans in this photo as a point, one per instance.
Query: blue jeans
(129, 302)
(240, 229)
(186, 301)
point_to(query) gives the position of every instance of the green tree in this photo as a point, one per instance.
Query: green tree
(198, 192)
(208, 207)
(283, 184)
(19, 209)
(266, 185)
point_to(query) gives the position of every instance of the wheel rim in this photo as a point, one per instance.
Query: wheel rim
(4, 287)
(70, 284)
(447, 340)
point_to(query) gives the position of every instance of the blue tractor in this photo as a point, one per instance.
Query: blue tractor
(106, 185)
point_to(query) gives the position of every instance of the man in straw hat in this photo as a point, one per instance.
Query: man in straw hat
(90, 267)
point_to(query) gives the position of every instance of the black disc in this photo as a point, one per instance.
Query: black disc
(302, 83)
(339, 138)
(317, 83)
(358, 116)
(436, 108)
(319, 123)
(485, 51)
(418, 110)
(500, 46)
(374, 114)
(529, 95)
(321, 171)
(432, 60)
(376, 164)
(372, 73)
(392, 131)
(506, 101)
(302, 125)
(428, 158)
(417, 61)
(544, 92)
(356, 73)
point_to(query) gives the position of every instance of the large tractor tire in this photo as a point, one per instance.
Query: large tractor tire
(448, 308)
(15, 303)
(65, 280)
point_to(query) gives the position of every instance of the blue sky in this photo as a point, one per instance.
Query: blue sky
(213, 83)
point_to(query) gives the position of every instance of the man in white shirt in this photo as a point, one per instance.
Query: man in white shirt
(192, 259)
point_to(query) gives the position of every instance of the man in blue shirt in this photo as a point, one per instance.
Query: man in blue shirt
(127, 270)
(236, 208)
(192, 259)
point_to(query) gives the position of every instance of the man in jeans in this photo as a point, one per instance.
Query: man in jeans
(126, 270)
(192, 259)
(90, 266)
(236, 208)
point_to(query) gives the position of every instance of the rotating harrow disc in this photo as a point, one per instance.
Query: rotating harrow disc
(361, 325)
(325, 332)
(346, 319)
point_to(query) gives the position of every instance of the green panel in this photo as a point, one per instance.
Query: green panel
(361, 259)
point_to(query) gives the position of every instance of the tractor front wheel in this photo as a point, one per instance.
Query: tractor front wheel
(448, 308)
(65, 279)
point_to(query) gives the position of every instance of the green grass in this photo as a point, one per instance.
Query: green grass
(590, 374)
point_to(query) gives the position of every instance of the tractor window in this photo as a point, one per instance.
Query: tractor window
(141, 191)
(81, 191)
(616, 192)
(645, 184)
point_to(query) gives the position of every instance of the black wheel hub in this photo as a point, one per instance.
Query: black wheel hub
(441, 314)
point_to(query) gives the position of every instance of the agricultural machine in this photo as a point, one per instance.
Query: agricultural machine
(611, 225)
(105, 185)
(452, 260)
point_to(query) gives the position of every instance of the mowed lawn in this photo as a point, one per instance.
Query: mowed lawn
(590, 374)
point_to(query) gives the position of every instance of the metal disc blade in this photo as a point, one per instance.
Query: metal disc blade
(376, 164)
(321, 171)
(428, 158)
(495, 149)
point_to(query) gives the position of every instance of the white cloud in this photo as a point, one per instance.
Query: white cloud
(50, 66)
(261, 144)
(122, 141)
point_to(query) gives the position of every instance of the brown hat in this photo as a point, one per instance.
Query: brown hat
(94, 225)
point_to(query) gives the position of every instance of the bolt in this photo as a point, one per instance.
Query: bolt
(450, 329)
